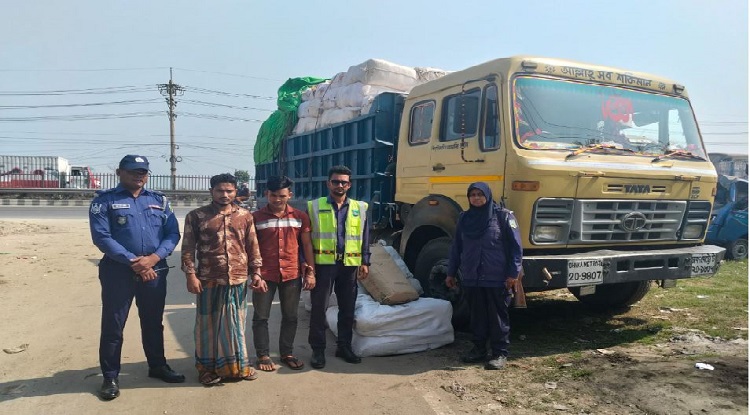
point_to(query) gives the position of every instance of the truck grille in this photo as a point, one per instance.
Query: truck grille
(597, 221)
(628, 220)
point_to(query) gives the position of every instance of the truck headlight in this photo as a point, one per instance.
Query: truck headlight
(692, 232)
(546, 233)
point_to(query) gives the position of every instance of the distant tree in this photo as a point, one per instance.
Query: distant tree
(242, 176)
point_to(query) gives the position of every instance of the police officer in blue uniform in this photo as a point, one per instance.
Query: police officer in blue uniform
(136, 230)
(487, 250)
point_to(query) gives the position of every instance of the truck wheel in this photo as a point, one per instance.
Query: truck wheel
(737, 249)
(614, 295)
(431, 269)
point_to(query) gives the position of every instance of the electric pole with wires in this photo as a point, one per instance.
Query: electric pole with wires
(171, 90)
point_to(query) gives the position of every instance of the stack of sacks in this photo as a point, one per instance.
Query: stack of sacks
(382, 330)
(350, 94)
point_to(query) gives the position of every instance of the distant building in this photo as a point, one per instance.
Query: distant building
(730, 164)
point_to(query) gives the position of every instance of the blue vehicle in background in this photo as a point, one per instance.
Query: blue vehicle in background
(728, 226)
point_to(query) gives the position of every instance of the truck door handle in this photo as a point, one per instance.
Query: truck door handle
(438, 167)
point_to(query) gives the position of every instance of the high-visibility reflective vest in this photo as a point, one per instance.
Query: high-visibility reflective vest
(324, 227)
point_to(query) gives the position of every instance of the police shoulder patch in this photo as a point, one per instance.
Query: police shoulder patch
(512, 222)
(96, 208)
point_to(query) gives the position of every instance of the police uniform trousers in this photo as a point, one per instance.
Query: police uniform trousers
(119, 286)
(343, 281)
(489, 318)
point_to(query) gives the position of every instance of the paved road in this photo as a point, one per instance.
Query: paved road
(60, 212)
(52, 302)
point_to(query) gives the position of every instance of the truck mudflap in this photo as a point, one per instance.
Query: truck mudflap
(611, 267)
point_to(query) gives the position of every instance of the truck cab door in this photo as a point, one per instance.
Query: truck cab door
(468, 146)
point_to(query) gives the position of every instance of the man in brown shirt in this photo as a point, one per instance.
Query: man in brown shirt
(219, 252)
(282, 231)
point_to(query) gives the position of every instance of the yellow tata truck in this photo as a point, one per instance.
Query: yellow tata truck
(604, 168)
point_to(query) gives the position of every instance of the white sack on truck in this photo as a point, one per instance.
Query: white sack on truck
(382, 330)
(382, 73)
(309, 109)
(425, 74)
(306, 124)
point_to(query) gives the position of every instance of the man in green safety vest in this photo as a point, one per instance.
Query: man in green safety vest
(342, 255)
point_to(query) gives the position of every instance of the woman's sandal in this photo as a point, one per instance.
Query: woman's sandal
(252, 376)
(209, 379)
(292, 362)
(267, 362)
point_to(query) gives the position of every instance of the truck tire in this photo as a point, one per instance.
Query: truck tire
(613, 296)
(737, 249)
(431, 269)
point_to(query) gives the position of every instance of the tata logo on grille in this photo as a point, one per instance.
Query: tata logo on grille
(633, 221)
(637, 188)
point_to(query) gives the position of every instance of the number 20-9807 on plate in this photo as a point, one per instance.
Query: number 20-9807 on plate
(585, 272)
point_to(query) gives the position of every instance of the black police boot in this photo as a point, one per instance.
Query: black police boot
(110, 389)
(318, 360)
(166, 374)
(346, 353)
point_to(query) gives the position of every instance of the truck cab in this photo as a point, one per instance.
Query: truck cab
(81, 177)
(605, 170)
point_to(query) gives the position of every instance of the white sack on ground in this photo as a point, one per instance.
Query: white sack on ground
(387, 283)
(382, 330)
(402, 266)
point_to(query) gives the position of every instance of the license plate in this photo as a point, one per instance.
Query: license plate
(703, 264)
(585, 272)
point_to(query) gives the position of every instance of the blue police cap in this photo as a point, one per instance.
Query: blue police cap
(134, 162)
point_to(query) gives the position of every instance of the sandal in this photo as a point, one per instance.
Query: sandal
(264, 363)
(252, 376)
(208, 379)
(292, 362)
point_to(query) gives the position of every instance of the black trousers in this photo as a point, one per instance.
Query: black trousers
(119, 287)
(489, 318)
(343, 281)
(289, 293)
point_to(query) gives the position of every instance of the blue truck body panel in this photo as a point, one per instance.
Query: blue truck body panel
(366, 144)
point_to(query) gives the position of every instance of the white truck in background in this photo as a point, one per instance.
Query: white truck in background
(47, 172)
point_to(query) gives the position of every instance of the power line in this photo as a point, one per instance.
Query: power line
(230, 74)
(86, 70)
(217, 117)
(87, 91)
(216, 105)
(82, 117)
(90, 104)
(198, 90)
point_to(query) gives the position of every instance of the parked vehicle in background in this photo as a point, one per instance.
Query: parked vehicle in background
(730, 164)
(47, 172)
(728, 227)
(605, 170)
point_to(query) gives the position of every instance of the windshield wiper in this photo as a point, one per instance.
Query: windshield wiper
(678, 154)
(591, 147)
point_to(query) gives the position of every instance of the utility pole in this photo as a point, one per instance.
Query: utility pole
(170, 90)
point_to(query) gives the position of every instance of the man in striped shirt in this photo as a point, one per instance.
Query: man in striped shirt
(287, 253)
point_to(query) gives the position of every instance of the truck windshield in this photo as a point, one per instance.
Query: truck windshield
(554, 114)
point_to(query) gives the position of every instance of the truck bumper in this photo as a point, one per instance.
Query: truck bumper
(611, 267)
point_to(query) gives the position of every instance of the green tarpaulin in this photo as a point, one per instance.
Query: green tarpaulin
(282, 121)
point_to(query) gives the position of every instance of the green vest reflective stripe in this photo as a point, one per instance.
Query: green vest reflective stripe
(324, 228)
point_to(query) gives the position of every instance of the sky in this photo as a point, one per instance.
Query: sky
(79, 79)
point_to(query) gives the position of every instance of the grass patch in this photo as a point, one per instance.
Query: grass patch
(556, 323)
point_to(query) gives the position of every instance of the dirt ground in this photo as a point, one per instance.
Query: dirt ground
(49, 300)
